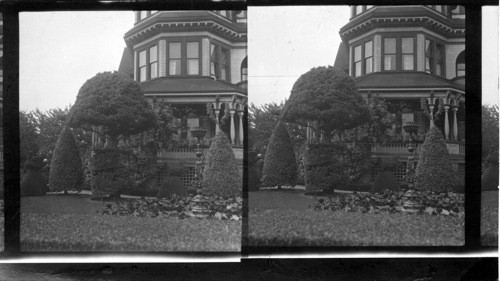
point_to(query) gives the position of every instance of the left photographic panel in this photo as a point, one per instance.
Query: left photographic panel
(131, 129)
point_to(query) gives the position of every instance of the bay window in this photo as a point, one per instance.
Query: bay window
(407, 53)
(434, 57)
(219, 62)
(153, 62)
(368, 57)
(142, 66)
(357, 61)
(174, 58)
(398, 53)
(389, 53)
(193, 58)
(363, 58)
(214, 60)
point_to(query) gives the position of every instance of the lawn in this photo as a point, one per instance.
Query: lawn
(58, 223)
(282, 218)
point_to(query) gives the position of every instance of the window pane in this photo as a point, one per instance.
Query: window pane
(244, 74)
(193, 67)
(359, 9)
(142, 58)
(429, 65)
(143, 15)
(154, 70)
(408, 62)
(439, 52)
(461, 73)
(368, 49)
(439, 8)
(369, 6)
(174, 50)
(438, 69)
(174, 67)
(389, 45)
(223, 74)
(213, 69)
(368, 65)
(357, 53)
(390, 62)
(224, 56)
(192, 50)
(407, 45)
(142, 74)
(461, 66)
(153, 54)
(357, 68)
(428, 48)
(213, 51)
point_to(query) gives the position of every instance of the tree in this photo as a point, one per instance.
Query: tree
(280, 166)
(28, 136)
(221, 176)
(489, 129)
(113, 102)
(434, 171)
(328, 96)
(66, 172)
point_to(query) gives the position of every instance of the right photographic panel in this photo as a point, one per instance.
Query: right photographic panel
(357, 126)
(489, 126)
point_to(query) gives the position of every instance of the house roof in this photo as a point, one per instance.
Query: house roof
(387, 80)
(126, 63)
(189, 85)
(342, 59)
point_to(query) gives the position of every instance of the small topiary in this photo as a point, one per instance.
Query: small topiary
(33, 182)
(221, 176)
(253, 176)
(280, 166)
(66, 172)
(489, 180)
(109, 176)
(385, 178)
(434, 171)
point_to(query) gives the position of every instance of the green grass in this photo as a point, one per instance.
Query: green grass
(288, 199)
(313, 228)
(68, 223)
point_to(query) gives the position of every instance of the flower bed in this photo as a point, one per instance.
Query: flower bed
(392, 202)
(175, 207)
(103, 233)
(327, 228)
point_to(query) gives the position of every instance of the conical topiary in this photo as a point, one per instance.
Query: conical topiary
(221, 176)
(489, 180)
(280, 166)
(434, 171)
(66, 171)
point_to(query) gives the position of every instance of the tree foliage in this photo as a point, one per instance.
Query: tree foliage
(221, 176)
(489, 129)
(28, 136)
(280, 166)
(114, 102)
(66, 172)
(329, 96)
(434, 171)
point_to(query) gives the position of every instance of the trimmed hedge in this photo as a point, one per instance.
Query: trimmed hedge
(108, 175)
(221, 176)
(66, 172)
(280, 166)
(33, 182)
(434, 170)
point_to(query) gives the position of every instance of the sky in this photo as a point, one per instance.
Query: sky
(285, 42)
(59, 51)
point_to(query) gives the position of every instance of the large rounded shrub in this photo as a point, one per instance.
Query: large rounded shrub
(489, 180)
(33, 183)
(280, 166)
(434, 171)
(386, 178)
(66, 172)
(221, 176)
(109, 176)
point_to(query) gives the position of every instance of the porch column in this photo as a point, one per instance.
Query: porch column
(240, 114)
(231, 113)
(446, 122)
(455, 123)
(217, 111)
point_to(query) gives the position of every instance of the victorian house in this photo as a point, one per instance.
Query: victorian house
(404, 54)
(192, 59)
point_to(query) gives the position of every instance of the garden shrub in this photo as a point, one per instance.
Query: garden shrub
(171, 185)
(221, 176)
(386, 178)
(253, 176)
(66, 172)
(109, 176)
(434, 171)
(489, 180)
(33, 182)
(300, 170)
(280, 167)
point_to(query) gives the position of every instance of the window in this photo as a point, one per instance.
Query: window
(219, 62)
(142, 66)
(224, 64)
(434, 58)
(193, 58)
(461, 64)
(153, 62)
(389, 53)
(244, 70)
(214, 62)
(407, 52)
(363, 58)
(174, 58)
